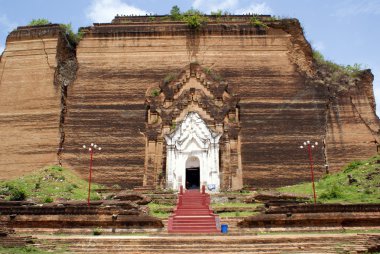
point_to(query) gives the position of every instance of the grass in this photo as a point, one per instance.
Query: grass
(241, 193)
(22, 250)
(236, 214)
(236, 204)
(335, 188)
(154, 210)
(50, 184)
(338, 231)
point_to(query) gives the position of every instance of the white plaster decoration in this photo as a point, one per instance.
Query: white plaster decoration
(192, 138)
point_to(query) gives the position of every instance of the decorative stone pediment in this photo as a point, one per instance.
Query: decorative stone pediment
(195, 89)
(192, 130)
(190, 116)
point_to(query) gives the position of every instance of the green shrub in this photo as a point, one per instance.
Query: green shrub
(155, 92)
(215, 76)
(337, 69)
(70, 188)
(256, 22)
(195, 21)
(194, 18)
(37, 186)
(218, 15)
(169, 78)
(71, 36)
(39, 22)
(48, 200)
(97, 231)
(332, 192)
(352, 166)
(16, 193)
(207, 70)
(318, 57)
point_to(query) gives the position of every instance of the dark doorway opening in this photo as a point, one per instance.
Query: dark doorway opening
(192, 178)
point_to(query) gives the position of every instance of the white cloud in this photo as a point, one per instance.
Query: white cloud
(1, 49)
(105, 10)
(353, 8)
(255, 8)
(214, 5)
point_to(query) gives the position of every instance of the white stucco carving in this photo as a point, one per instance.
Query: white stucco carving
(192, 138)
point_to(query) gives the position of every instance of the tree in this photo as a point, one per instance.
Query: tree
(175, 13)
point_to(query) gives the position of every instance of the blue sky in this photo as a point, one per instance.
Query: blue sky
(345, 31)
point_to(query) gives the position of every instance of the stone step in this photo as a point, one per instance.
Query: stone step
(278, 238)
(178, 243)
(207, 249)
(138, 243)
(194, 223)
(207, 252)
(193, 214)
(190, 240)
(194, 218)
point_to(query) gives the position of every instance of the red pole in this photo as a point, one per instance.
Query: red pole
(312, 172)
(89, 179)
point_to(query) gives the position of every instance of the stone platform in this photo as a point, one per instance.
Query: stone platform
(106, 214)
(316, 216)
(270, 244)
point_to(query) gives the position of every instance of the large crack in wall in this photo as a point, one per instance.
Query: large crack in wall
(64, 76)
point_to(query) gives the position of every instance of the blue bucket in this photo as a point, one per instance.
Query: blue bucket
(224, 228)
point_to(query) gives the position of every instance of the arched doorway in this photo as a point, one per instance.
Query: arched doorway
(193, 180)
(192, 155)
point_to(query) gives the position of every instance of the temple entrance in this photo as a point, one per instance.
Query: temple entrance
(192, 178)
(193, 155)
(192, 174)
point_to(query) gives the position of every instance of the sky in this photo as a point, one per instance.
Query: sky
(344, 31)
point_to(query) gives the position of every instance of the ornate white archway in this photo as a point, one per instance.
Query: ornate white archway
(192, 138)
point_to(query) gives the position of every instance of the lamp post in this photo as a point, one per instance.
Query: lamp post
(309, 147)
(91, 149)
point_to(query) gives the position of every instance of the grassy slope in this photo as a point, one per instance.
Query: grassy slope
(335, 188)
(51, 183)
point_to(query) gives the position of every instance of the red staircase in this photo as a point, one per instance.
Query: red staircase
(193, 214)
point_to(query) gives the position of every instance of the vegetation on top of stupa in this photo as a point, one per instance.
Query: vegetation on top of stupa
(339, 69)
